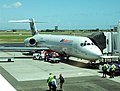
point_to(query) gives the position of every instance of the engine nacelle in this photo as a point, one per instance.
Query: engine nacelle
(30, 42)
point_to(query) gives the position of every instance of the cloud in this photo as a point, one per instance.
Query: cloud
(17, 4)
(6, 6)
(13, 5)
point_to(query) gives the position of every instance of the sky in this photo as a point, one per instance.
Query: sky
(66, 14)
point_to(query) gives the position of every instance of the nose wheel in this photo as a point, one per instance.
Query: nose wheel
(64, 57)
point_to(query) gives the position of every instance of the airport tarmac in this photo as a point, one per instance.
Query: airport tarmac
(26, 74)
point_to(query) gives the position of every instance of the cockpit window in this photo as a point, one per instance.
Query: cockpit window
(88, 43)
(85, 43)
(92, 43)
(81, 44)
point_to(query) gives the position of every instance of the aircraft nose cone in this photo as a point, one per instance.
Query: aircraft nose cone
(97, 53)
(94, 53)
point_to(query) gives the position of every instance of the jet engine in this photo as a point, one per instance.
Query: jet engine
(30, 42)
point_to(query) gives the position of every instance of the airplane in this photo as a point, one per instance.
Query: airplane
(75, 46)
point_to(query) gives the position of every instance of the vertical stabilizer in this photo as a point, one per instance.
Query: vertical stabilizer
(33, 27)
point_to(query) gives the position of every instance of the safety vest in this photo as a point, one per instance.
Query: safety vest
(50, 78)
(104, 66)
(113, 67)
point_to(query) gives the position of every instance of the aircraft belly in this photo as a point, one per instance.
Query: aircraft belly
(56, 48)
(61, 48)
(69, 50)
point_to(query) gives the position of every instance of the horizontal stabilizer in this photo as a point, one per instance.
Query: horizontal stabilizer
(20, 21)
(24, 21)
(32, 24)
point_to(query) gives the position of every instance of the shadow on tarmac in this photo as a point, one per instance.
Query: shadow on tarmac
(88, 65)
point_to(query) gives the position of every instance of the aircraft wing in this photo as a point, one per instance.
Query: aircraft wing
(22, 49)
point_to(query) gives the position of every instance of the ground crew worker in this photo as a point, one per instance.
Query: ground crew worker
(49, 81)
(112, 70)
(104, 68)
(54, 84)
(45, 54)
(61, 78)
(54, 54)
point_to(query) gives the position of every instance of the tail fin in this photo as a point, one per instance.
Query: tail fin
(32, 25)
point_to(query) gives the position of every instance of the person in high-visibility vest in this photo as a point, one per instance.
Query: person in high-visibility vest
(112, 70)
(49, 81)
(104, 68)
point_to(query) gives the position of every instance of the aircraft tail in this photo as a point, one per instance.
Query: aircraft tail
(32, 25)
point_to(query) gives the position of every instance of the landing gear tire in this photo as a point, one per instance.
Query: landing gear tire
(67, 58)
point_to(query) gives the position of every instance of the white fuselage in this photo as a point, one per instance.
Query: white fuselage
(81, 47)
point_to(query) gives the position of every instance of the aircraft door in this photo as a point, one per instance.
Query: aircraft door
(67, 50)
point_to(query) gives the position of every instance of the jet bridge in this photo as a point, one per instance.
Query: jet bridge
(98, 39)
(113, 41)
(118, 30)
(108, 42)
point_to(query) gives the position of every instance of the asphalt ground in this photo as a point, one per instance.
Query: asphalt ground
(85, 83)
(32, 75)
(26, 74)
